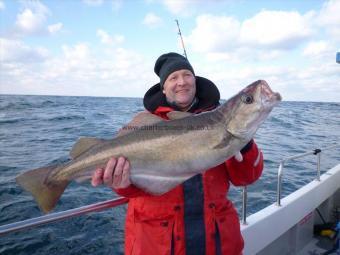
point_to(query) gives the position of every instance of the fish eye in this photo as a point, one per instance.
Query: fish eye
(247, 99)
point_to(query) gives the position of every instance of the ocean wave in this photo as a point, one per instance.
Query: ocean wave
(24, 103)
(12, 121)
(66, 118)
(15, 106)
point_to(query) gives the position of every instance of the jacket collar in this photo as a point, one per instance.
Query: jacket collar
(207, 94)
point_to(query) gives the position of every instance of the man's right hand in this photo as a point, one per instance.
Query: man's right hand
(116, 174)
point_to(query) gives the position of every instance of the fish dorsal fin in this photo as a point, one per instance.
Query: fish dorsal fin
(178, 115)
(139, 120)
(83, 144)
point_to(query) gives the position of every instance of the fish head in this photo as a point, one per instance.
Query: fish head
(247, 110)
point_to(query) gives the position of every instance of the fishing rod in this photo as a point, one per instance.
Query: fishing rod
(180, 35)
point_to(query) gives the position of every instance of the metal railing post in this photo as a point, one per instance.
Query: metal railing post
(279, 180)
(316, 152)
(318, 166)
(244, 205)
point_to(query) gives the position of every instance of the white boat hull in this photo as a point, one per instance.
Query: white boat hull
(288, 228)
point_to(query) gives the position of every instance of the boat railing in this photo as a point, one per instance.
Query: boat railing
(57, 216)
(316, 152)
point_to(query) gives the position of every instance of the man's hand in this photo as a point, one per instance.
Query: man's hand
(116, 174)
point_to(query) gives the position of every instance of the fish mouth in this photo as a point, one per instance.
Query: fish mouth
(268, 96)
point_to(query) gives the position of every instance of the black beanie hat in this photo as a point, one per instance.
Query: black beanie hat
(169, 63)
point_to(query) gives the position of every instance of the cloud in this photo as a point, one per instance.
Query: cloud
(314, 82)
(329, 18)
(276, 29)
(32, 21)
(105, 38)
(329, 14)
(77, 53)
(214, 33)
(79, 70)
(2, 5)
(152, 20)
(230, 51)
(15, 51)
(287, 48)
(316, 48)
(28, 23)
(267, 35)
(53, 29)
(267, 29)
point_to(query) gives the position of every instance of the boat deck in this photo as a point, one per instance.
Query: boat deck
(317, 246)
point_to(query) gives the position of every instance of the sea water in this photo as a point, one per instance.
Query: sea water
(40, 130)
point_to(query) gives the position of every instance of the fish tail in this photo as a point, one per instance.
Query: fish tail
(45, 193)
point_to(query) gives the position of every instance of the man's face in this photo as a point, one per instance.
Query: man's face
(180, 88)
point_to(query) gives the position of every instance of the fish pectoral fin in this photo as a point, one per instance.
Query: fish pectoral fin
(46, 194)
(139, 120)
(83, 144)
(178, 115)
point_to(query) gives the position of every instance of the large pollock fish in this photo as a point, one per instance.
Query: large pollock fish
(162, 154)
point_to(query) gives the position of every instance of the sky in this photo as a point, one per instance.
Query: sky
(109, 47)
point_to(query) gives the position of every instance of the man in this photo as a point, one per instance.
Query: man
(195, 217)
